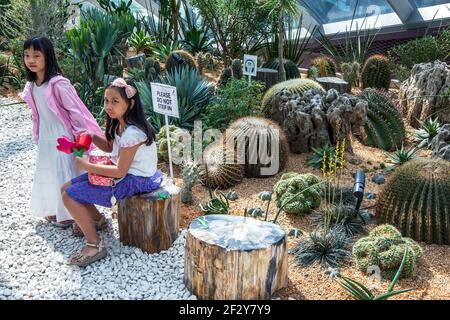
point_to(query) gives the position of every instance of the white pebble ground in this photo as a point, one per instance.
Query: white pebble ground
(33, 253)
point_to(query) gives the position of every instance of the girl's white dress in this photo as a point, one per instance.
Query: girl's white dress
(53, 167)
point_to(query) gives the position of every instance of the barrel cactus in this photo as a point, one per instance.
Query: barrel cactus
(293, 183)
(180, 58)
(375, 72)
(326, 67)
(152, 69)
(289, 66)
(416, 200)
(384, 248)
(384, 127)
(248, 135)
(236, 68)
(295, 86)
(350, 73)
(223, 172)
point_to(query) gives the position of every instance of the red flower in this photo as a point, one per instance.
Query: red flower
(83, 140)
(65, 144)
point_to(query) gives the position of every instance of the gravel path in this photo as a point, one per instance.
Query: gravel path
(33, 253)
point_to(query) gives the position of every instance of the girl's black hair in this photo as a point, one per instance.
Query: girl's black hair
(133, 116)
(45, 46)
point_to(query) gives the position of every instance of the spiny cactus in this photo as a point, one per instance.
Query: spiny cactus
(236, 68)
(384, 128)
(350, 73)
(205, 61)
(291, 184)
(225, 76)
(384, 248)
(190, 172)
(152, 69)
(289, 66)
(375, 73)
(295, 86)
(247, 135)
(186, 59)
(161, 141)
(223, 172)
(326, 67)
(416, 200)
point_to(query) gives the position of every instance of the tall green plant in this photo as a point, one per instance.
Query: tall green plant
(281, 9)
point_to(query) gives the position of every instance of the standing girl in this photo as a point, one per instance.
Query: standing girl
(56, 110)
(131, 141)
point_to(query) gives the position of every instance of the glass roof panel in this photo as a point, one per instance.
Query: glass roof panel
(340, 10)
(429, 3)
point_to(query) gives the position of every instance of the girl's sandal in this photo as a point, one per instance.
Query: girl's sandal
(101, 224)
(82, 260)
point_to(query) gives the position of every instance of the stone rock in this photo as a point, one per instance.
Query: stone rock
(378, 179)
(232, 195)
(370, 195)
(441, 143)
(295, 233)
(432, 82)
(317, 118)
(333, 83)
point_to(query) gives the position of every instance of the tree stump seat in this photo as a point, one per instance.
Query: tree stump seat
(150, 221)
(235, 258)
(333, 83)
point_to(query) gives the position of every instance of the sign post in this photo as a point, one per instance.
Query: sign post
(165, 101)
(250, 66)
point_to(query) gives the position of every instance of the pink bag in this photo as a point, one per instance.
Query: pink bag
(97, 179)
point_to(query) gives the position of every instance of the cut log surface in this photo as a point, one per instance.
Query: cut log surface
(150, 221)
(333, 83)
(235, 258)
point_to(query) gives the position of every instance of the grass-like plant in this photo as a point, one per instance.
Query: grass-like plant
(361, 292)
(343, 215)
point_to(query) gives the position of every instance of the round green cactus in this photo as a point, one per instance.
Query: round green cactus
(188, 59)
(236, 68)
(376, 73)
(416, 199)
(289, 66)
(384, 248)
(161, 141)
(293, 183)
(322, 67)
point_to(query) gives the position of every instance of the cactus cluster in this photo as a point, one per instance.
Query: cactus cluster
(152, 69)
(384, 128)
(161, 140)
(190, 172)
(376, 73)
(287, 192)
(248, 135)
(350, 73)
(186, 57)
(416, 200)
(223, 172)
(294, 86)
(205, 61)
(289, 66)
(323, 67)
(384, 248)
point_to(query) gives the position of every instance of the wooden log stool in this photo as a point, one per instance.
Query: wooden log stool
(333, 83)
(150, 221)
(232, 257)
(268, 76)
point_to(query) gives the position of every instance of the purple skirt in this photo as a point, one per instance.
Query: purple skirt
(83, 192)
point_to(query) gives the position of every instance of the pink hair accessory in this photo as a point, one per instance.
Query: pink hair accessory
(121, 83)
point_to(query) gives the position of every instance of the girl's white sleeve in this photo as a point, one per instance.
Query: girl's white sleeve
(132, 136)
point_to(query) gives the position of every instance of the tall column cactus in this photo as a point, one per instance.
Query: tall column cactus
(190, 172)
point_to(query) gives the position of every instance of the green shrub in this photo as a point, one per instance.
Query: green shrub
(236, 100)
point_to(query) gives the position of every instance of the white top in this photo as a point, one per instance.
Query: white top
(146, 159)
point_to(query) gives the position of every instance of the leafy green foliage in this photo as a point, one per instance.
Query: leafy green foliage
(141, 42)
(320, 153)
(237, 99)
